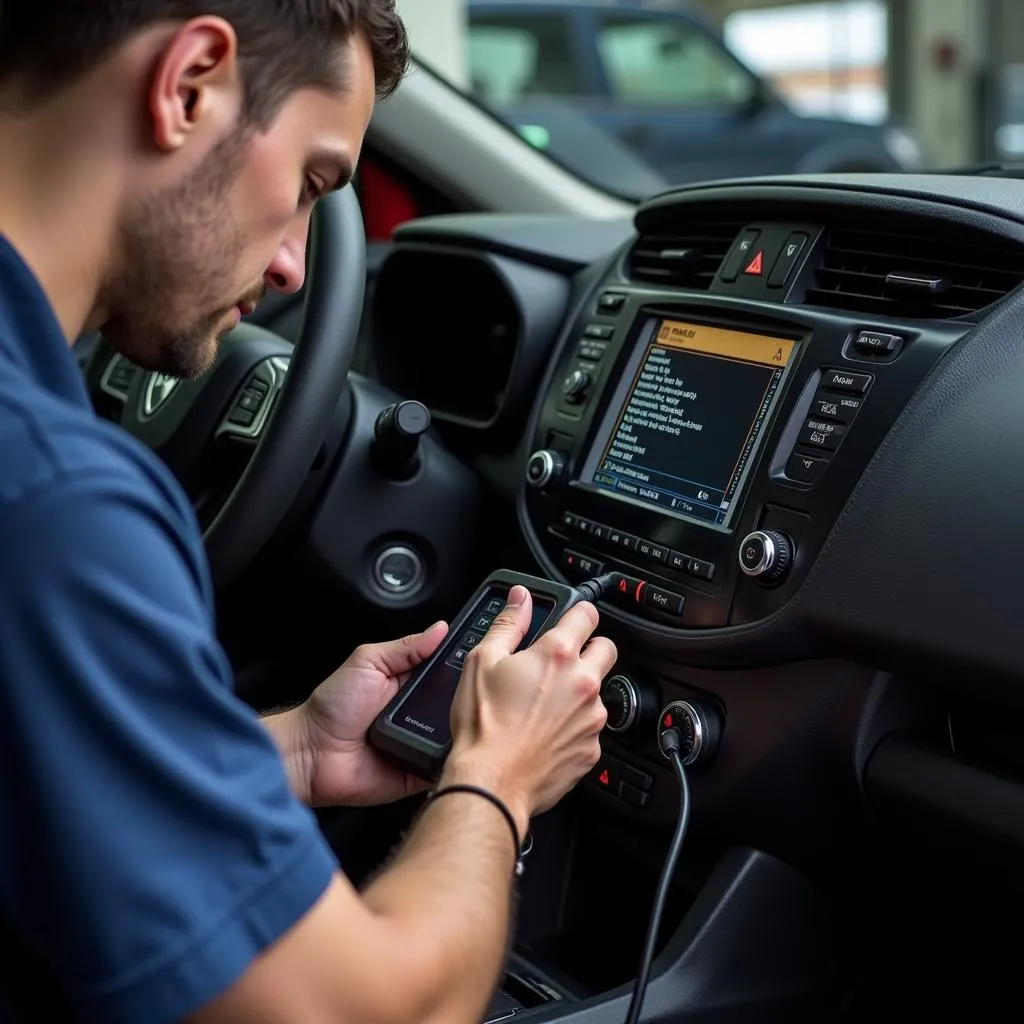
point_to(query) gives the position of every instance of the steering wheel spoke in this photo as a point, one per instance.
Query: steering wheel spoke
(252, 405)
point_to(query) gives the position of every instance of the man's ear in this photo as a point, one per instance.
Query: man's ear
(196, 84)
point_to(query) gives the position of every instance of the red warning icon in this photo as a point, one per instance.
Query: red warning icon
(604, 779)
(756, 265)
(668, 721)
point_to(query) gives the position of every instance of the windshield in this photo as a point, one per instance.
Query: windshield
(637, 96)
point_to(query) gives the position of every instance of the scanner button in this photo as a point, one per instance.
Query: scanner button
(495, 605)
(458, 657)
(470, 640)
(483, 622)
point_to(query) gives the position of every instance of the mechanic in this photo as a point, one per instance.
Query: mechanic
(159, 860)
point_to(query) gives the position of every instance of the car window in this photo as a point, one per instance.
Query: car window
(514, 58)
(669, 63)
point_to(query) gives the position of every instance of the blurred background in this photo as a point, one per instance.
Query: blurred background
(636, 95)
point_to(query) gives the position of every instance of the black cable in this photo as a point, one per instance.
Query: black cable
(671, 740)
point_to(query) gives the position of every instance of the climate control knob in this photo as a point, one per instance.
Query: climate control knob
(629, 703)
(544, 468)
(766, 556)
(699, 724)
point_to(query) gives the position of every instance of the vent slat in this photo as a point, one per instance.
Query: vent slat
(856, 263)
(657, 257)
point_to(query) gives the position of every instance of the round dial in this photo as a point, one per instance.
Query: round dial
(622, 701)
(766, 555)
(544, 468)
(699, 725)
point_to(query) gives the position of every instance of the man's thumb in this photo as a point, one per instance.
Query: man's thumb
(510, 626)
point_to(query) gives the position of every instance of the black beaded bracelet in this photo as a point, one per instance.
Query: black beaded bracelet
(522, 848)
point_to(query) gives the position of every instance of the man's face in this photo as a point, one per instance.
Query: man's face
(197, 255)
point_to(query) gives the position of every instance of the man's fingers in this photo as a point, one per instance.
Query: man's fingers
(395, 657)
(510, 626)
(574, 628)
(602, 654)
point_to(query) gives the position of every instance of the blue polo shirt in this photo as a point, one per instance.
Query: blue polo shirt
(150, 847)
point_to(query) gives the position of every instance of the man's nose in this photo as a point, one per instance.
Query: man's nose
(287, 270)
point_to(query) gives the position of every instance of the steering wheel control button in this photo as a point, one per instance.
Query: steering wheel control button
(805, 469)
(843, 380)
(664, 601)
(699, 724)
(399, 571)
(788, 259)
(611, 302)
(545, 468)
(580, 565)
(821, 434)
(740, 256)
(766, 556)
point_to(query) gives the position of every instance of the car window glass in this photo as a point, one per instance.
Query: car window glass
(669, 63)
(516, 58)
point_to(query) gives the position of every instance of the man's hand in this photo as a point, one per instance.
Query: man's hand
(323, 741)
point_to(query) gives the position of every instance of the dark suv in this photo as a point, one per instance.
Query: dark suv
(660, 84)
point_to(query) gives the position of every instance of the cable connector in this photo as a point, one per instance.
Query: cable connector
(670, 741)
(594, 589)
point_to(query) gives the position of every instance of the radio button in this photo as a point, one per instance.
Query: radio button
(569, 520)
(581, 565)
(576, 385)
(821, 434)
(664, 601)
(618, 539)
(876, 343)
(611, 302)
(655, 552)
(591, 351)
(836, 407)
(702, 570)
(805, 469)
(841, 380)
(739, 257)
(599, 532)
(678, 561)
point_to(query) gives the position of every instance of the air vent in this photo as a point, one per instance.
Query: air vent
(914, 274)
(688, 258)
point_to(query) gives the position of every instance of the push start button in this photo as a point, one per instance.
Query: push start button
(399, 571)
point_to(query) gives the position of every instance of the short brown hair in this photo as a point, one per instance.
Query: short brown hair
(283, 45)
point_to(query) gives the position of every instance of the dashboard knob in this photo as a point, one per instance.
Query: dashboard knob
(396, 438)
(629, 702)
(576, 385)
(766, 556)
(700, 725)
(544, 468)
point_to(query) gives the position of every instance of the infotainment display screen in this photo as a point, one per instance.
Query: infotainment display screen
(688, 418)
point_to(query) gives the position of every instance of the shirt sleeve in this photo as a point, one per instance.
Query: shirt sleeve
(150, 847)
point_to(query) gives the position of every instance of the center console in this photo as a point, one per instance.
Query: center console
(704, 445)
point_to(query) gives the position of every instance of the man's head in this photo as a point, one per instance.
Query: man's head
(213, 125)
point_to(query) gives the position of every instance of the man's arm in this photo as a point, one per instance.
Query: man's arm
(424, 943)
(287, 728)
(427, 940)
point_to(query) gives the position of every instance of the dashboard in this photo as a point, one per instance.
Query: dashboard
(786, 413)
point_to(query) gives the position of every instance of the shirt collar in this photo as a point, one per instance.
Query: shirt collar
(30, 334)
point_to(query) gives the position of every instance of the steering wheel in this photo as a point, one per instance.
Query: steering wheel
(261, 391)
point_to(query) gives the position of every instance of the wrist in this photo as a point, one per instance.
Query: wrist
(472, 770)
(290, 731)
